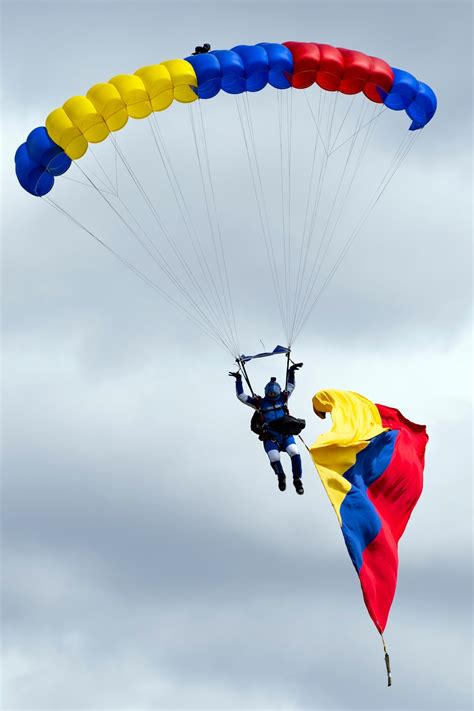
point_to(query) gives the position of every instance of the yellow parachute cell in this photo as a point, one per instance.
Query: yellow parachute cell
(62, 131)
(159, 85)
(108, 105)
(134, 95)
(184, 78)
(84, 116)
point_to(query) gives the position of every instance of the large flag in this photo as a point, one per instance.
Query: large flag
(371, 465)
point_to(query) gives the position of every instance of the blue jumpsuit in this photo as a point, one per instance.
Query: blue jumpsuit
(273, 410)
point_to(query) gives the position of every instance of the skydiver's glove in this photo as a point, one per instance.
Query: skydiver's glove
(235, 375)
(295, 366)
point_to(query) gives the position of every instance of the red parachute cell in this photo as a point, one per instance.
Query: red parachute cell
(339, 69)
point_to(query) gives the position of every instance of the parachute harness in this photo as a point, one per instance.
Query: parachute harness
(284, 424)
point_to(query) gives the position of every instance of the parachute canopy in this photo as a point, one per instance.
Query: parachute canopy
(178, 205)
(371, 464)
(107, 106)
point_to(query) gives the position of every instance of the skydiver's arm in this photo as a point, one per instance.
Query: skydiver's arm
(239, 391)
(290, 385)
(242, 396)
(291, 378)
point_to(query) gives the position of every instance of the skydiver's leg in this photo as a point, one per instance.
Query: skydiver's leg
(273, 451)
(296, 468)
(292, 450)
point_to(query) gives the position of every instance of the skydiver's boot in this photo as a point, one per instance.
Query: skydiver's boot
(278, 469)
(297, 472)
(298, 484)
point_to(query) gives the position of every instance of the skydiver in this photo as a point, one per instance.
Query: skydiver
(272, 407)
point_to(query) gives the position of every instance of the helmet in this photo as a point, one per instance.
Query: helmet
(272, 389)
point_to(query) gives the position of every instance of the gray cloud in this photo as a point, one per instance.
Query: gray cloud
(148, 559)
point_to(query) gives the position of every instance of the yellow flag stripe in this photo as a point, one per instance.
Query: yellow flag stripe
(355, 421)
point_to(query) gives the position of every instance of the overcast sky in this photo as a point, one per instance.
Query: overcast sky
(148, 559)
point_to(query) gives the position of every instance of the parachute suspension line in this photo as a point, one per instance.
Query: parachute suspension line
(107, 185)
(312, 279)
(358, 162)
(401, 153)
(306, 242)
(261, 208)
(182, 205)
(116, 171)
(227, 291)
(87, 185)
(285, 129)
(284, 192)
(178, 254)
(243, 370)
(175, 278)
(208, 210)
(156, 255)
(108, 181)
(322, 172)
(192, 280)
(141, 275)
(324, 243)
(329, 128)
(351, 104)
(399, 157)
(327, 239)
(307, 232)
(258, 172)
(331, 123)
(289, 125)
(187, 219)
(166, 267)
(213, 224)
(322, 95)
(341, 179)
(163, 264)
(374, 118)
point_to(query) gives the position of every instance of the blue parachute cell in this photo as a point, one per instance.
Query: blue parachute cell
(423, 107)
(38, 160)
(403, 91)
(31, 175)
(256, 64)
(413, 96)
(280, 61)
(208, 74)
(242, 68)
(232, 71)
(46, 152)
